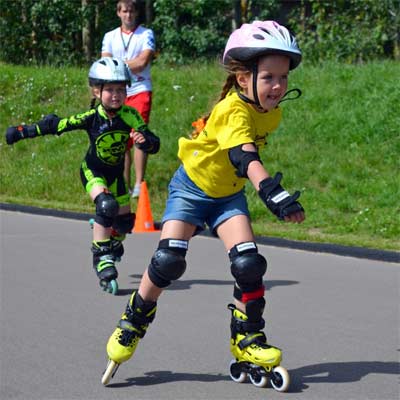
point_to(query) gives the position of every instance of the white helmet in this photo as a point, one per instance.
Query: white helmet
(109, 70)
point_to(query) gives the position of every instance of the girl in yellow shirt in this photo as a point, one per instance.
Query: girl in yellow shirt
(208, 188)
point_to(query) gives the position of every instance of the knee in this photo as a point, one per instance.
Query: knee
(107, 208)
(168, 262)
(248, 268)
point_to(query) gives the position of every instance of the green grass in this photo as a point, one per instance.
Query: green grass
(339, 143)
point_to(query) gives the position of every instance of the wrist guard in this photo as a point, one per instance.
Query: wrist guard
(277, 199)
(17, 133)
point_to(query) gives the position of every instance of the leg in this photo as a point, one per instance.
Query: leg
(103, 260)
(249, 346)
(171, 229)
(100, 232)
(107, 207)
(140, 161)
(236, 230)
(167, 264)
(142, 103)
(123, 223)
(127, 167)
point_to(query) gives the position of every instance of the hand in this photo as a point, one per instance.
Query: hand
(146, 141)
(137, 137)
(16, 133)
(297, 217)
(279, 201)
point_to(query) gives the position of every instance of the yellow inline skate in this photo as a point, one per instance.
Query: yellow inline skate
(254, 358)
(130, 329)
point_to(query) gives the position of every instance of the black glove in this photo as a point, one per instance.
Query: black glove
(16, 133)
(277, 199)
(151, 145)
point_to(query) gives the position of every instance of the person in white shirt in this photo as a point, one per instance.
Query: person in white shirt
(134, 44)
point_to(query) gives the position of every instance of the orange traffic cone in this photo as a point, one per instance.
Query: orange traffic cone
(144, 219)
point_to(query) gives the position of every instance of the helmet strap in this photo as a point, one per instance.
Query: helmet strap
(255, 93)
(256, 100)
(243, 97)
(296, 96)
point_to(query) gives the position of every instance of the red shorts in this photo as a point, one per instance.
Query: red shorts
(142, 103)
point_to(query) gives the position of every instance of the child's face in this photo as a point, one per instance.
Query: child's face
(113, 95)
(272, 81)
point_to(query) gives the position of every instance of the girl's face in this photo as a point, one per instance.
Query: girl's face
(113, 95)
(272, 81)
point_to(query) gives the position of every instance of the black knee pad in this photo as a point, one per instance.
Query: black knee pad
(168, 262)
(124, 223)
(106, 209)
(248, 268)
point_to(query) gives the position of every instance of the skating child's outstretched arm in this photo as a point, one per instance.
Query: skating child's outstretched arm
(49, 125)
(45, 126)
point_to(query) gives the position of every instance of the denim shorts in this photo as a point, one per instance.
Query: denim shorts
(187, 202)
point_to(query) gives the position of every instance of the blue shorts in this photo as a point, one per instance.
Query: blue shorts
(187, 202)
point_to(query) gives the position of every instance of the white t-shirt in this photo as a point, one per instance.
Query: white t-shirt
(127, 46)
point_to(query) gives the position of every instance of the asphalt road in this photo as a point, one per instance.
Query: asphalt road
(336, 319)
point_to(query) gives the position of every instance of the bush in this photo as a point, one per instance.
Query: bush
(352, 31)
(69, 32)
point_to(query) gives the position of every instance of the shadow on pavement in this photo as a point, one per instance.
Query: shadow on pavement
(337, 372)
(159, 377)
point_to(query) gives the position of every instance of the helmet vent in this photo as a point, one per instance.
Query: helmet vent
(102, 62)
(281, 32)
(258, 36)
(265, 30)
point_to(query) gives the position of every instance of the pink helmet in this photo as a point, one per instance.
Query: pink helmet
(260, 38)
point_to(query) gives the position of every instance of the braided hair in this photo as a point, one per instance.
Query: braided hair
(232, 68)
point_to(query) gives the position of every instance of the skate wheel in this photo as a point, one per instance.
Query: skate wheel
(236, 373)
(257, 379)
(109, 373)
(110, 287)
(91, 222)
(113, 287)
(280, 379)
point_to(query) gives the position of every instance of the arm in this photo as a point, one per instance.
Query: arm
(50, 125)
(274, 196)
(47, 125)
(146, 141)
(140, 62)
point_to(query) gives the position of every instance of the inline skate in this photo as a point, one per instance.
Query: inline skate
(104, 265)
(117, 248)
(130, 329)
(254, 358)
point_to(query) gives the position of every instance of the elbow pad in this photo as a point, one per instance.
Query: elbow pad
(49, 125)
(152, 143)
(241, 159)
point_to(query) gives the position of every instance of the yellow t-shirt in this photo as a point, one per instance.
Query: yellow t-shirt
(232, 122)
